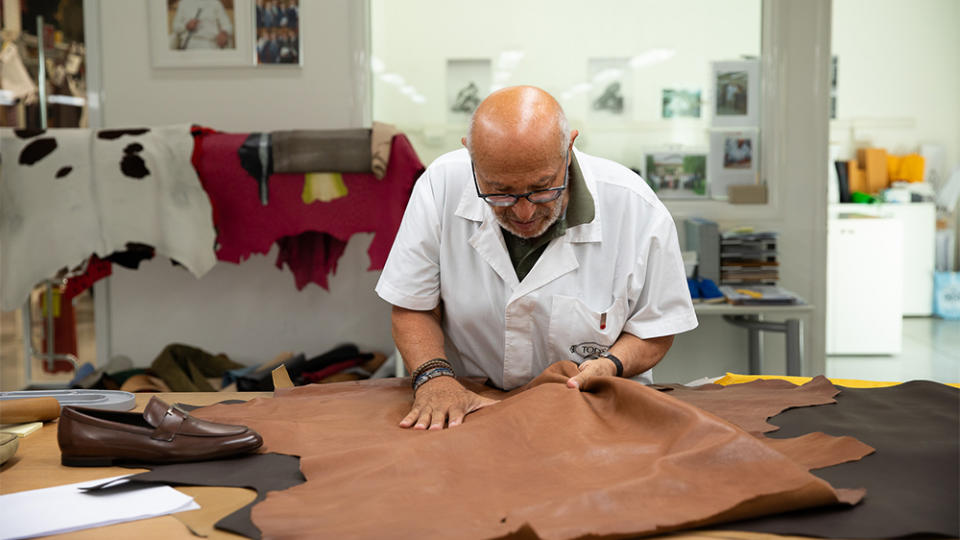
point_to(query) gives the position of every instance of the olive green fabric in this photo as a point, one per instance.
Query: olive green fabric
(525, 252)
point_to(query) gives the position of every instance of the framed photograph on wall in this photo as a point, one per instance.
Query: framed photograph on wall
(736, 93)
(680, 103)
(278, 32)
(201, 33)
(677, 174)
(468, 82)
(734, 160)
(611, 95)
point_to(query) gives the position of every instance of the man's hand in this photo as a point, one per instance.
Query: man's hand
(222, 38)
(441, 398)
(192, 24)
(598, 367)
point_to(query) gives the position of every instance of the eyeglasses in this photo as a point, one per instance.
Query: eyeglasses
(539, 196)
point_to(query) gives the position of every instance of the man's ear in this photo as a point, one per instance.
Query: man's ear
(573, 136)
(463, 141)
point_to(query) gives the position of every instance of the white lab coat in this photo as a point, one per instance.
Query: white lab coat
(625, 263)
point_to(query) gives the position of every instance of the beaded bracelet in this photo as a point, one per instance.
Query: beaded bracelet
(431, 374)
(429, 364)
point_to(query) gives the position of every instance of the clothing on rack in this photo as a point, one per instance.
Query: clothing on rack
(146, 191)
(245, 226)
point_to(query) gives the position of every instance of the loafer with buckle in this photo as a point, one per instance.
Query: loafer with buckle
(162, 434)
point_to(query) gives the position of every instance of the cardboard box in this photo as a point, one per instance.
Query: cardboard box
(747, 194)
(874, 163)
(856, 178)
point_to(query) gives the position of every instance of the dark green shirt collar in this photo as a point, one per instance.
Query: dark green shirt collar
(524, 253)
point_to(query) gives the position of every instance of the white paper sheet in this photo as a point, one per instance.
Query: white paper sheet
(67, 508)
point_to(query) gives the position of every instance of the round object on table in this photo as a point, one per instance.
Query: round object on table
(8, 446)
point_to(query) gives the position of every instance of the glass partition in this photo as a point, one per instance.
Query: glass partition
(670, 89)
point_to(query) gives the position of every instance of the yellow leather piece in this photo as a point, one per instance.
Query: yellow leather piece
(734, 378)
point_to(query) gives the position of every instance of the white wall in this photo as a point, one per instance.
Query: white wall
(321, 94)
(250, 311)
(549, 44)
(898, 82)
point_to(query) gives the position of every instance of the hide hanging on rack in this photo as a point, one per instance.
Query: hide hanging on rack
(246, 226)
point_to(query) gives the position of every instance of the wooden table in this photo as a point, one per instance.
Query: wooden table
(37, 465)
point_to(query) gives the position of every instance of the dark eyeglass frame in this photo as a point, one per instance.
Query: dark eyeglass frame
(556, 191)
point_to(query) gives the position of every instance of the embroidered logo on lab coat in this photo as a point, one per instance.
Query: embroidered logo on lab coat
(589, 349)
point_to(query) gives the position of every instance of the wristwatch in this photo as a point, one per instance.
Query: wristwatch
(616, 362)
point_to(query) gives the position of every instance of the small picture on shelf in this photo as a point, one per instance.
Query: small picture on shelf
(681, 103)
(677, 175)
(732, 93)
(737, 153)
(733, 160)
(736, 93)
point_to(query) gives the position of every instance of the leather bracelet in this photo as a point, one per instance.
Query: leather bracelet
(616, 362)
(430, 374)
(428, 365)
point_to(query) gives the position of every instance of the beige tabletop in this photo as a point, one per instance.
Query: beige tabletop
(37, 465)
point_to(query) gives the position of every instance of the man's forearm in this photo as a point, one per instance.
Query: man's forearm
(638, 355)
(418, 335)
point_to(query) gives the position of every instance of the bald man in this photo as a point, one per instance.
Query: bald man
(520, 251)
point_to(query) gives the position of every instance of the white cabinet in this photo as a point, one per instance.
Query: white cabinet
(919, 248)
(864, 284)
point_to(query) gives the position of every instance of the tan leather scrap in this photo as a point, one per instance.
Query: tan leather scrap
(547, 461)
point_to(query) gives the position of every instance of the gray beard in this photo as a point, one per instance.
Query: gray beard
(557, 210)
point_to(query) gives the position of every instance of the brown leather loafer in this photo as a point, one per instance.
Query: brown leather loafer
(162, 434)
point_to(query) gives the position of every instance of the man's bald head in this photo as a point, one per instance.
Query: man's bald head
(518, 123)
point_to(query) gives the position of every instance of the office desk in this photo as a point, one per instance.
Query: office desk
(753, 319)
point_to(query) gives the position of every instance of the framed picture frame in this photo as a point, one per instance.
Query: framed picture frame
(736, 93)
(734, 160)
(681, 103)
(677, 174)
(610, 98)
(468, 82)
(277, 31)
(201, 33)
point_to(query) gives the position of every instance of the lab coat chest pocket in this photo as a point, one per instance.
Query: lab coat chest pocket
(578, 332)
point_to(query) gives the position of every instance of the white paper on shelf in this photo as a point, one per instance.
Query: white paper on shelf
(68, 508)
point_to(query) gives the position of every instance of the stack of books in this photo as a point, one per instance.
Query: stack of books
(749, 258)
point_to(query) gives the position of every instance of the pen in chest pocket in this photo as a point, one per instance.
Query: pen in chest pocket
(603, 321)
